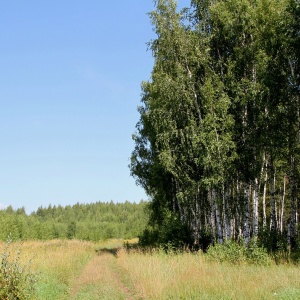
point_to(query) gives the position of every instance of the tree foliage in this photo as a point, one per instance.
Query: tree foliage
(217, 143)
(94, 222)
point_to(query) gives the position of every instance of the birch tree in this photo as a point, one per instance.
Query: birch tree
(217, 144)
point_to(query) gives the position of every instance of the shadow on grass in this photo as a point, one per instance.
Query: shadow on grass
(112, 251)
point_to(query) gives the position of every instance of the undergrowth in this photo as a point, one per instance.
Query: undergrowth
(16, 281)
(235, 253)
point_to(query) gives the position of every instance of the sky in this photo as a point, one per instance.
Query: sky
(70, 75)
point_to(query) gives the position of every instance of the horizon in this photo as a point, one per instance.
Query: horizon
(71, 205)
(69, 92)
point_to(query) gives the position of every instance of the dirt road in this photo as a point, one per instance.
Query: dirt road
(102, 278)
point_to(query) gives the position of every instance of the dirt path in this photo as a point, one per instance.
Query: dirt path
(101, 279)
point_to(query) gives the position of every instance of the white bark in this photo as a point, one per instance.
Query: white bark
(246, 229)
(293, 213)
(255, 202)
(226, 219)
(282, 204)
(265, 194)
(273, 221)
(212, 214)
(219, 226)
(218, 219)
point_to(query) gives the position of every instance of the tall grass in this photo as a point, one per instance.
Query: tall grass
(73, 270)
(56, 264)
(157, 275)
(16, 280)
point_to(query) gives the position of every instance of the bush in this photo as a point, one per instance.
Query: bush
(149, 238)
(257, 255)
(235, 253)
(171, 233)
(16, 282)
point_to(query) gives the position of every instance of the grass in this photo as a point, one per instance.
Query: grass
(103, 277)
(98, 280)
(74, 270)
(56, 263)
(16, 280)
(190, 276)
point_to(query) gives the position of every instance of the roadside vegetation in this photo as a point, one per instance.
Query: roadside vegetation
(161, 275)
(16, 280)
(72, 269)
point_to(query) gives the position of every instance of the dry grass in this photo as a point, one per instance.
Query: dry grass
(56, 263)
(72, 270)
(95, 276)
(190, 276)
(60, 258)
(101, 279)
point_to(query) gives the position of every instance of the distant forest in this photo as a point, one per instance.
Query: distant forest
(92, 222)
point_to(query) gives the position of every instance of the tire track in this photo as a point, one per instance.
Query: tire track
(103, 276)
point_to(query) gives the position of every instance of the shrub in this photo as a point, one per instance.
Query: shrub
(171, 232)
(257, 255)
(235, 253)
(16, 281)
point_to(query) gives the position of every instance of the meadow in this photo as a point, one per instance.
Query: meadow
(71, 269)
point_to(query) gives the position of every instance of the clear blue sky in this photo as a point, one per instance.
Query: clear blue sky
(70, 74)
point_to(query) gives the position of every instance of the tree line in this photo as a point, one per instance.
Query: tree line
(94, 222)
(217, 146)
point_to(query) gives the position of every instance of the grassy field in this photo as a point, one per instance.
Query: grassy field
(85, 270)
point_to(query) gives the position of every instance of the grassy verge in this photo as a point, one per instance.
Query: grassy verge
(55, 263)
(72, 270)
(157, 275)
(16, 279)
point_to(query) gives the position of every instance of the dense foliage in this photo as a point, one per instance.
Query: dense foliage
(217, 145)
(93, 222)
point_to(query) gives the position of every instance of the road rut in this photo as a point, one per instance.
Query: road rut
(101, 278)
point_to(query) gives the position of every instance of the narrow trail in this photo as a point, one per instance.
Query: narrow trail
(101, 279)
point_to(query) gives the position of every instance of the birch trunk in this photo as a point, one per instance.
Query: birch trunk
(246, 229)
(265, 194)
(212, 213)
(255, 202)
(292, 224)
(273, 221)
(282, 204)
(218, 218)
(226, 218)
